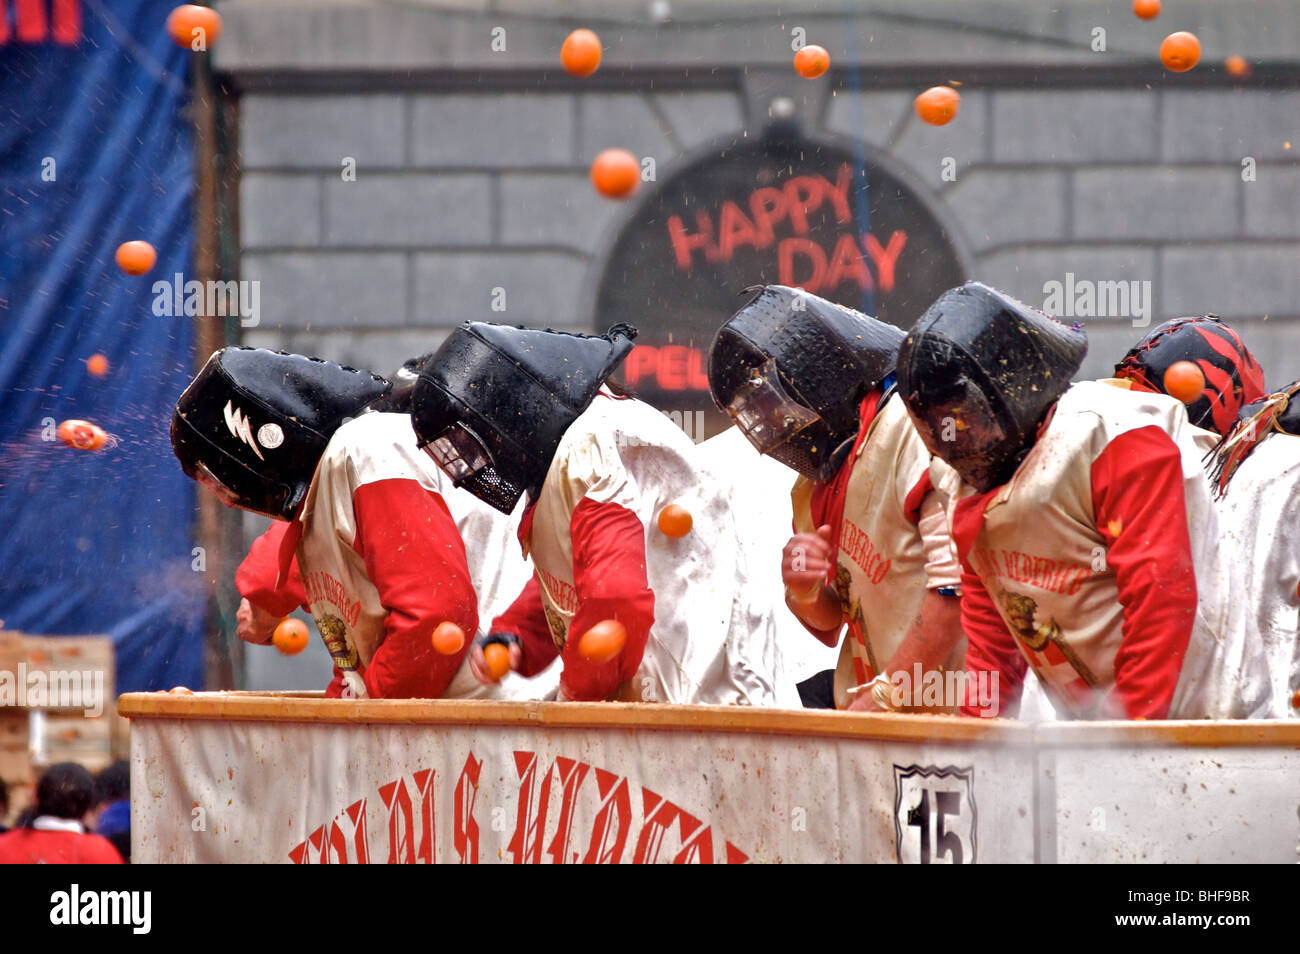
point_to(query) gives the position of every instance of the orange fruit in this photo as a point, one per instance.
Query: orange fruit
(675, 520)
(188, 17)
(448, 638)
(938, 105)
(1180, 51)
(290, 636)
(497, 658)
(1236, 66)
(1295, 699)
(580, 53)
(812, 61)
(97, 365)
(1184, 381)
(1147, 9)
(180, 691)
(82, 435)
(616, 174)
(603, 642)
(135, 258)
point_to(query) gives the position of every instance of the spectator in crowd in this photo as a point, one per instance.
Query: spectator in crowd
(55, 834)
(113, 796)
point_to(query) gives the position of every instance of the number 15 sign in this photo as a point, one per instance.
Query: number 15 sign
(934, 814)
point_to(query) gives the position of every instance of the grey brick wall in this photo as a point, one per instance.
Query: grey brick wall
(476, 180)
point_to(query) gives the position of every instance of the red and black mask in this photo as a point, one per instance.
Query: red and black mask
(1233, 378)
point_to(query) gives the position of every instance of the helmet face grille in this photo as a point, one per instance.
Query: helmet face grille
(805, 453)
(488, 486)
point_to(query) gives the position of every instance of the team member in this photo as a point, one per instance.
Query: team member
(1233, 378)
(509, 412)
(381, 560)
(266, 599)
(497, 570)
(1256, 470)
(811, 384)
(1089, 540)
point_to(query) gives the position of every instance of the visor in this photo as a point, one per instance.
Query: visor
(460, 453)
(229, 497)
(967, 434)
(765, 413)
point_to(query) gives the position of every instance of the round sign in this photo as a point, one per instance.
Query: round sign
(779, 210)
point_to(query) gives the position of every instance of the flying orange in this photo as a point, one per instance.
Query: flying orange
(448, 638)
(1184, 381)
(136, 257)
(1180, 51)
(675, 520)
(603, 642)
(616, 174)
(97, 365)
(1236, 65)
(580, 54)
(1147, 9)
(812, 61)
(82, 435)
(183, 21)
(290, 636)
(938, 105)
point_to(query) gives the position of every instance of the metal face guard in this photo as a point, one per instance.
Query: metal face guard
(460, 453)
(765, 413)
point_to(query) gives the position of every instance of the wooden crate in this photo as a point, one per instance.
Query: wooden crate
(15, 753)
(12, 651)
(68, 655)
(13, 728)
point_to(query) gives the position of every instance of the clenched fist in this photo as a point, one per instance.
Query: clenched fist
(478, 664)
(254, 624)
(806, 563)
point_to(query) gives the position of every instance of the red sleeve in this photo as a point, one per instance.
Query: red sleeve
(526, 619)
(416, 560)
(609, 573)
(990, 648)
(257, 574)
(1137, 496)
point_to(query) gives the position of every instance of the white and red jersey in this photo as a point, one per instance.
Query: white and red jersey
(893, 544)
(1261, 535)
(598, 553)
(381, 563)
(1099, 564)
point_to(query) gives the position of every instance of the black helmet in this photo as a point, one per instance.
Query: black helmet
(979, 372)
(792, 369)
(253, 424)
(404, 378)
(492, 403)
(1233, 378)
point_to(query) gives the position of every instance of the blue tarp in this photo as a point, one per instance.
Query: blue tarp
(97, 542)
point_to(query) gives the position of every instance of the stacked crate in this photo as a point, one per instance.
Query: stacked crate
(15, 753)
(65, 733)
(36, 732)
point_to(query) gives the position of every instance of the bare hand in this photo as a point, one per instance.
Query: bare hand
(479, 667)
(806, 564)
(254, 624)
